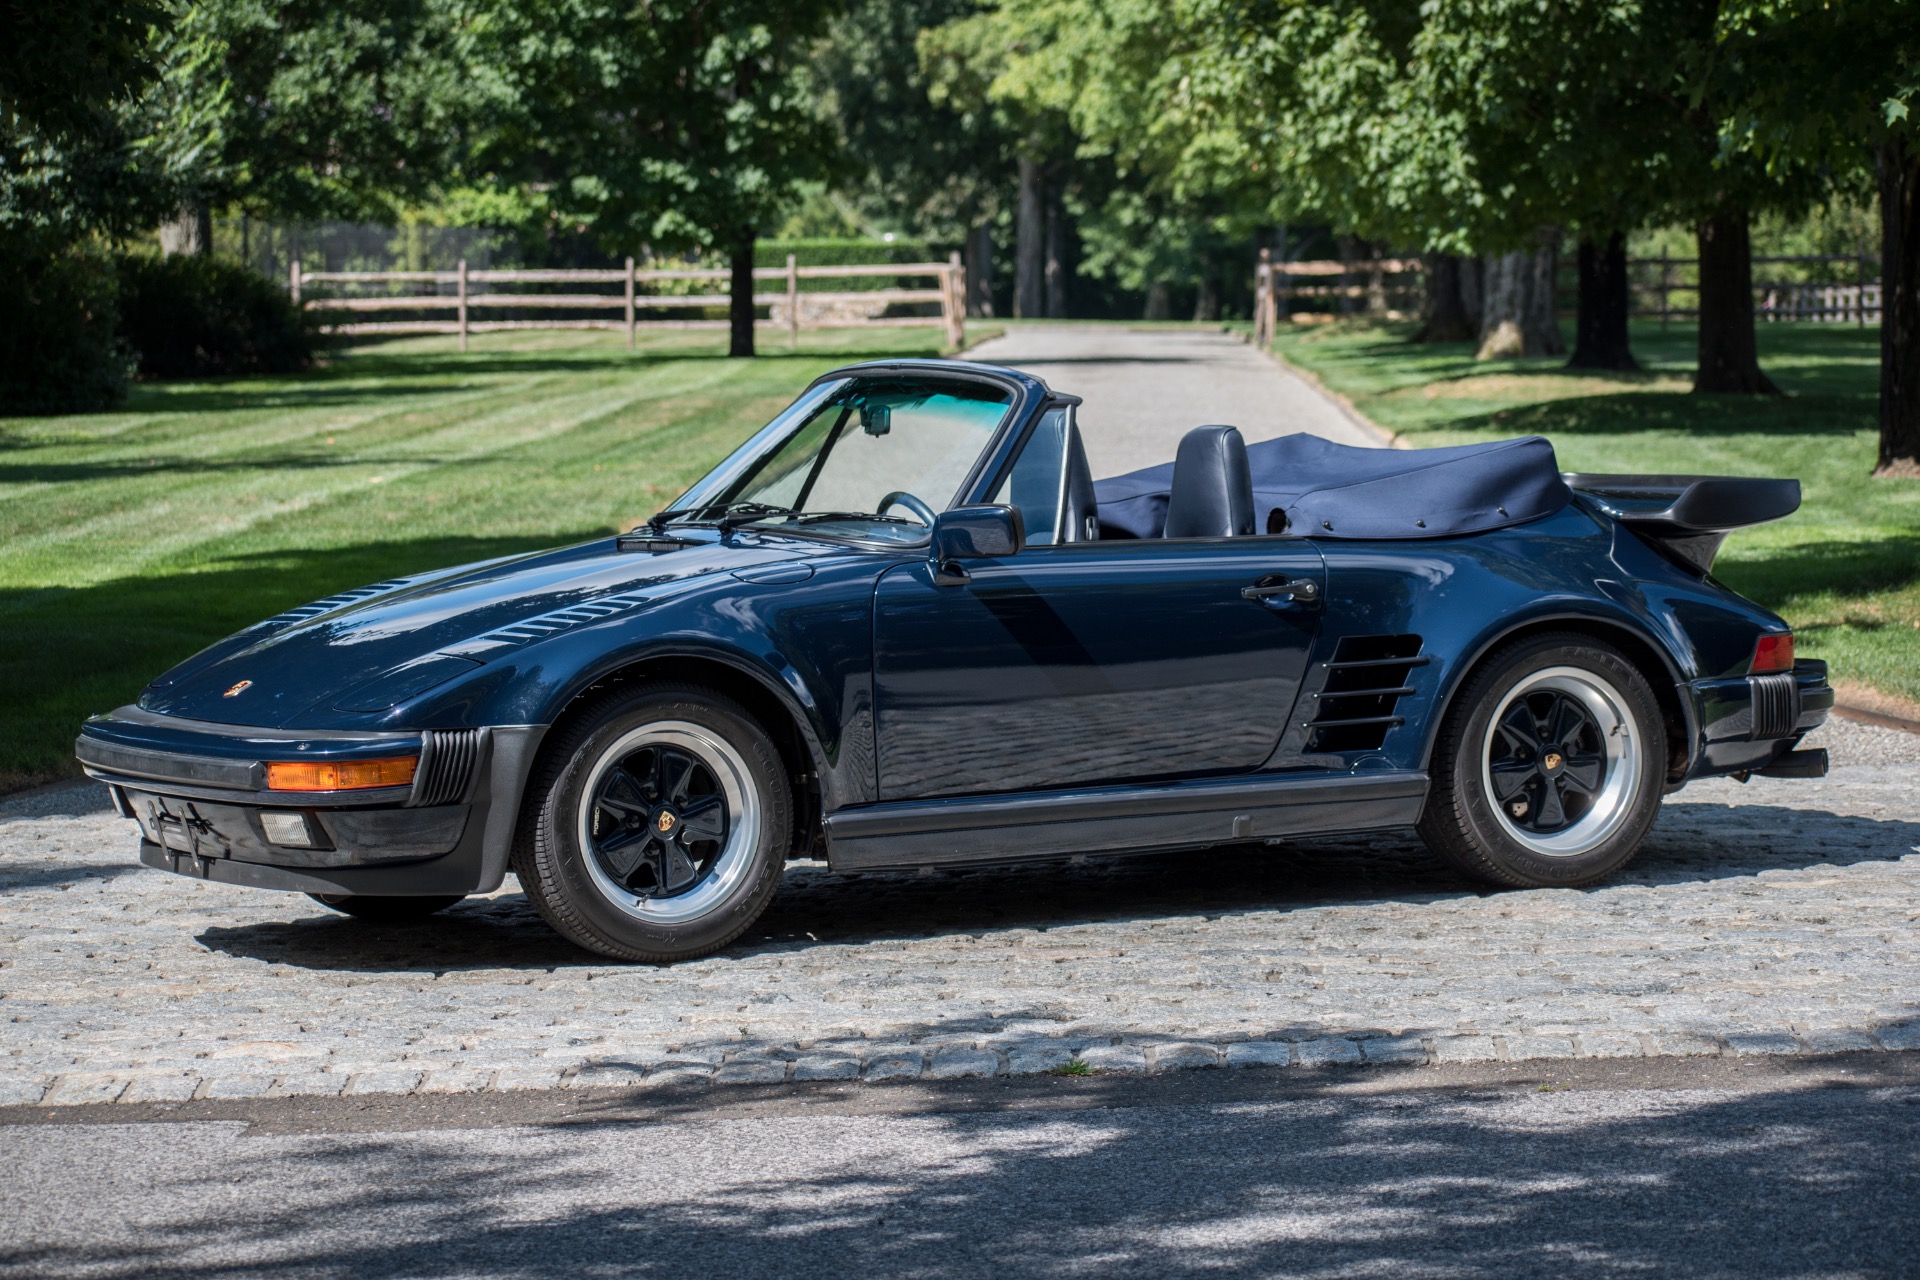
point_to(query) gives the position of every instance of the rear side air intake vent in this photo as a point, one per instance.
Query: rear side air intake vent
(447, 761)
(1366, 678)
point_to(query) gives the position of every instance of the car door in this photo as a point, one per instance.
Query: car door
(1088, 663)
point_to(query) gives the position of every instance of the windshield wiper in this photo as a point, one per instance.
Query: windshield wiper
(817, 517)
(739, 513)
(752, 510)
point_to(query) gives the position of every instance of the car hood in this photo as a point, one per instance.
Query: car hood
(373, 648)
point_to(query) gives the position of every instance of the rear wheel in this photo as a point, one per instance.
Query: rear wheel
(1548, 767)
(657, 826)
(386, 910)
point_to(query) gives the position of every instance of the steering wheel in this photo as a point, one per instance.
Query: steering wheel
(901, 498)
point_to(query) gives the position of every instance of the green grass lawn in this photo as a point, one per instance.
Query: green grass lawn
(130, 540)
(1844, 570)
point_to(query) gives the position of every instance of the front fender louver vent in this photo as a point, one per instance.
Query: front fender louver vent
(527, 630)
(448, 758)
(1366, 678)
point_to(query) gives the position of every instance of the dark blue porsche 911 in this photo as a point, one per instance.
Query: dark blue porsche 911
(903, 626)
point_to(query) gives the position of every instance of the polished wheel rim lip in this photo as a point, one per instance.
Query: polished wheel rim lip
(738, 794)
(1605, 709)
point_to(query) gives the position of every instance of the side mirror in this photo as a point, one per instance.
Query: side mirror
(973, 533)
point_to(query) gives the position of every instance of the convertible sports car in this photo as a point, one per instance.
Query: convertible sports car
(902, 626)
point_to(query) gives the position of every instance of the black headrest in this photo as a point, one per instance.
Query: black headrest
(1212, 493)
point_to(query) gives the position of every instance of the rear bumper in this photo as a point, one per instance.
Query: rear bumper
(1748, 721)
(197, 791)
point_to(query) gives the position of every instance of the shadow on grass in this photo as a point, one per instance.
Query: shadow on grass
(815, 907)
(73, 472)
(1678, 414)
(1826, 568)
(70, 652)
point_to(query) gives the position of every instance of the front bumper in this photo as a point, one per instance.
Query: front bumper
(1746, 722)
(197, 791)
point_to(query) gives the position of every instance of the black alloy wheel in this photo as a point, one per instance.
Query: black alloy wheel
(1549, 766)
(658, 821)
(656, 824)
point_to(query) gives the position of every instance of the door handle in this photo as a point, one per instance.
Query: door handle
(1274, 587)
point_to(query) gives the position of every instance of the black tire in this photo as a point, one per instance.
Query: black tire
(386, 910)
(1562, 790)
(591, 853)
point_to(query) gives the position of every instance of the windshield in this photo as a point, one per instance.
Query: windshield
(876, 453)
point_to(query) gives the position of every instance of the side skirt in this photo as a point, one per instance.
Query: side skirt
(1050, 824)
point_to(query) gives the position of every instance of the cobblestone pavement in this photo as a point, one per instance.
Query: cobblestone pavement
(1773, 918)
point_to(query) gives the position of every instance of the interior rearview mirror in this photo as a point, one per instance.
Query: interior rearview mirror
(876, 419)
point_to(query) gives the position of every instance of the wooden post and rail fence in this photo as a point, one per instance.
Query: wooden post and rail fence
(1321, 290)
(458, 293)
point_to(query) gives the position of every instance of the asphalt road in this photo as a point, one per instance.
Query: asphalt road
(1658, 1167)
(1143, 388)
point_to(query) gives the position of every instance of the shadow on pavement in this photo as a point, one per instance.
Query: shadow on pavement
(1791, 1181)
(1691, 843)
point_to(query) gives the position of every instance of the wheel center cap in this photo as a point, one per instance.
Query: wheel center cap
(665, 821)
(1553, 760)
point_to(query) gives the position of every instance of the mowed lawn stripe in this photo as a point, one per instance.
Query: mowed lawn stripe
(129, 540)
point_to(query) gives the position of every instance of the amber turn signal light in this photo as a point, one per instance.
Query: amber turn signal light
(340, 775)
(1772, 653)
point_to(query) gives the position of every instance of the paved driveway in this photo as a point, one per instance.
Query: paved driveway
(1775, 918)
(1145, 387)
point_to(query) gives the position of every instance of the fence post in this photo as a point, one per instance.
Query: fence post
(1860, 296)
(1665, 283)
(630, 283)
(952, 303)
(293, 279)
(462, 295)
(793, 300)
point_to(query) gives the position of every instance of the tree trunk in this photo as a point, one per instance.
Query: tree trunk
(1600, 333)
(980, 271)
(1729, 361)
(1029, 264)
(1059, 279)
(1349, 301)
(1472, 291)
(189, 231)
(1517, 302)
(1542, 315)
(1443, 314)
(1899, 306)
(740, 296)
(1206, 298)
(1159, 301)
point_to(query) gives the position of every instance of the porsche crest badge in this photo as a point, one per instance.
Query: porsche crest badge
(238, 689)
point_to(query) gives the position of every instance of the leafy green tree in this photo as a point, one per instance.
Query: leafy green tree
(310, 108)
(69, 161)
(1835, 85)
(939, 168)
(680, 124)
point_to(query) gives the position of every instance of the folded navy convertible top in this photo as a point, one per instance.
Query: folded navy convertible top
(1328, 490)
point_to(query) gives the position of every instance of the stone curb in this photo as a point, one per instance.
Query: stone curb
(945, 1060)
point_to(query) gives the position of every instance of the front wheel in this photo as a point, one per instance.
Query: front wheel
(657, 825)
(1548, 768)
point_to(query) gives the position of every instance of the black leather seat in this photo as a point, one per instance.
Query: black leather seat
(1212, 494)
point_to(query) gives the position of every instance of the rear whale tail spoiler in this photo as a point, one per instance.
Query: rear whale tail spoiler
(1689, 516)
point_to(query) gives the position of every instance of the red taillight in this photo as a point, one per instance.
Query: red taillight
(1772, 653)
